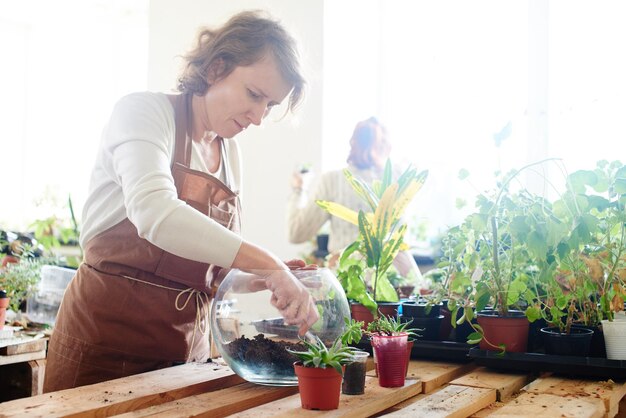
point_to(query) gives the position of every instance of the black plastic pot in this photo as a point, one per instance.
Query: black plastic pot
(597, 348)
(420, 310)
(535, 337)
(576, 343)
(429, 327)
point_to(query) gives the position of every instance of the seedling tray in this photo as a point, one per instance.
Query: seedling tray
(441, 350)
(537, 362)
(433, 350)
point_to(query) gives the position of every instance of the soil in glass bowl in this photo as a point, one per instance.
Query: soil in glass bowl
(262, 355)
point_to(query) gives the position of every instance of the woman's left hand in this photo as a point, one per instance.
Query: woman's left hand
(297, 264)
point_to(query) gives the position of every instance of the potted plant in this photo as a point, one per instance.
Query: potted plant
(4, 304)
(494, 263)
(20, 279)
(381, 235)
(599, 199)
(354, 375)
(319, 373)
(392, 352)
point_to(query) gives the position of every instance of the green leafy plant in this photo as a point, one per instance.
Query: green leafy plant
(20, 279)
(591, 261)
(320, 356)
(52, 232)
(381, 234)
(494, 258)
(384, 325)
(353, 331)
(563, 261)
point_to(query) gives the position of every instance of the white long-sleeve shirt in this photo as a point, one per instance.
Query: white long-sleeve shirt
(305, 217)
(132, 179)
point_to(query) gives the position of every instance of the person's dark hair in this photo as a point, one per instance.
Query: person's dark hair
(245, 39)
(364, 143)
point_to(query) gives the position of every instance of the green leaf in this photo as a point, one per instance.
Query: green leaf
(578, 180)
(533, 313)
(537, 245)
(620, 185)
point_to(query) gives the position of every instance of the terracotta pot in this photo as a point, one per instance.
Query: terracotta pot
(512, 331)
(390, 359)
(4, 304)
(405, 291)
(319, 388)
(361, 313)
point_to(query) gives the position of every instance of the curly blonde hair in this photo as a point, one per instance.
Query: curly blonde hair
(245, 39)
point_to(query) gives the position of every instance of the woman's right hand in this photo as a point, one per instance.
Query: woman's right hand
(292, 300)
(289, 296)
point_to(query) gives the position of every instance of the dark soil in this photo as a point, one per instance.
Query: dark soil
(354, 379)
(262, 353)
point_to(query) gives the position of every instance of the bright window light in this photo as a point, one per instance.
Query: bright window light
(69, 62)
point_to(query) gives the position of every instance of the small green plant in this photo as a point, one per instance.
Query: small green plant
(384, 325)
(353, 332)
(320, 356)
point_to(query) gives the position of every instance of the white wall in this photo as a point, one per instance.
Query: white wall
(271, 152)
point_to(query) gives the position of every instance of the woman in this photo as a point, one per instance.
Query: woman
(369, 151)
(162, 216)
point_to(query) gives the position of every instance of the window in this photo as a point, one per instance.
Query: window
(61, 76)
(485, 86)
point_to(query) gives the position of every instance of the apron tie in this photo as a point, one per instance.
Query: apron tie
(203, 303)
(202, 311)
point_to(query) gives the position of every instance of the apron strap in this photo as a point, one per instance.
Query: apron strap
(182, 143)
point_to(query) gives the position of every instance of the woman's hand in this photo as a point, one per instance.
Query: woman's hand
(297, 264)
(292, 300)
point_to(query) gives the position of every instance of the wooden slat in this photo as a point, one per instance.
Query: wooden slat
(505, 383)
(611, 393)
(375, 399)
(546, 405)
(435, 374)
(219, 403)
(451, 401)
(38, 372)
(126, 394)
(24, 347)
(19, 358)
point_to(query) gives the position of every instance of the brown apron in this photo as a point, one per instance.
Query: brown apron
(133, 307)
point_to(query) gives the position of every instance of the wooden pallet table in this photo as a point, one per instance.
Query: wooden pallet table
(22, 367)
(433, 389)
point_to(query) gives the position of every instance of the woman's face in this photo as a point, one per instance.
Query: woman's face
(381, 148)
(244, 97)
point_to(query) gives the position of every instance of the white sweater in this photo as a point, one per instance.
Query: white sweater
(305, 217)
(132, 179)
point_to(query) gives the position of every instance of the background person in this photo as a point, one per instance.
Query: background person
(162, 216)
(369, 151)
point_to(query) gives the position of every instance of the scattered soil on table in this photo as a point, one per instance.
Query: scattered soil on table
(263, 353)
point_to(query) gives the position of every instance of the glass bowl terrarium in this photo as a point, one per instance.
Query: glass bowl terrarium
(251, 334)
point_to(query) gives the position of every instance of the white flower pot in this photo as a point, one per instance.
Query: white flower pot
(615, 338)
